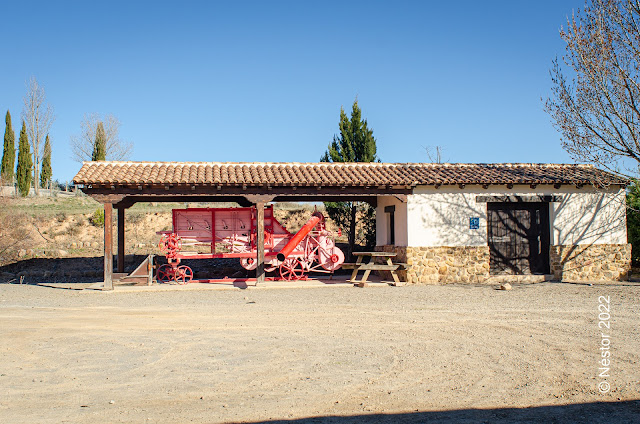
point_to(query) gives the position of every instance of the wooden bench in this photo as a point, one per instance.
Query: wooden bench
(367, 267)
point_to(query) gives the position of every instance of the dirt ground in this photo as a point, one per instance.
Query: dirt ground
(398, 354)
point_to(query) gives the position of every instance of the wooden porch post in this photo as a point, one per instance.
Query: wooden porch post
(121, 252)
(260, 242)
(108, 247)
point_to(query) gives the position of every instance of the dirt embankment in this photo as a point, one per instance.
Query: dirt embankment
(62, 238)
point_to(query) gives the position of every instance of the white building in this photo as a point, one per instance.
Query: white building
(560, 221)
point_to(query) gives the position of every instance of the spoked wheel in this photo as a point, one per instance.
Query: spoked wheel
(291, 269)
(170, 244)
(164, 273)
(183, 275)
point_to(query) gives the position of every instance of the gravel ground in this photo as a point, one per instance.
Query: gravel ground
(455, 353)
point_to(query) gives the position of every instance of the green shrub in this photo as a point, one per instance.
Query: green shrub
(97, 218)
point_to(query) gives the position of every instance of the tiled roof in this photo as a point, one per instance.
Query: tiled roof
(337, 174)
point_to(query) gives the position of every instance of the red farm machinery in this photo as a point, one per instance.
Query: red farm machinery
(212, 233)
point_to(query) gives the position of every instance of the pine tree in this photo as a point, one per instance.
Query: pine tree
(355, 143)
(45, 174)
(23, 173)
(100, 145)
(9, 152)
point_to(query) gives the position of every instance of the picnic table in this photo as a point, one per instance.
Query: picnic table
(371, 265)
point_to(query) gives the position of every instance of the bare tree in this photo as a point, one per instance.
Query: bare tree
(82, 145)
(434, 153)
(38, 115)
(596, 107)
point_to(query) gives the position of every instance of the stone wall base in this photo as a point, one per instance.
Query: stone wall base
(433, 265)
(470, 264)
(595, 262)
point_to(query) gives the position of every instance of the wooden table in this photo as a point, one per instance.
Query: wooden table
(369, 266)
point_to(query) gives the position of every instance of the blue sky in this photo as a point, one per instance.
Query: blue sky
(264, 81)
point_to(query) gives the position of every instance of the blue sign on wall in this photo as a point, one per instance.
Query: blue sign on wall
(474, 223)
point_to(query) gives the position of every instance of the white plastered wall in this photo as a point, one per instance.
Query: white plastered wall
(589, 216)
(400, 218)
(440, 217)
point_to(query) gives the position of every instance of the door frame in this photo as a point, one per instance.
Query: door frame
(539, 231)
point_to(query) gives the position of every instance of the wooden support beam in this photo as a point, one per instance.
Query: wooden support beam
(224, 193)
(108, 247)
(261, 198)
(260, 277)
(121, 252)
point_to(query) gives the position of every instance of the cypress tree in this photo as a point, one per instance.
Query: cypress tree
(100, 145)
(45, 174)
(9, 152)
(355, 143)
(23, 173)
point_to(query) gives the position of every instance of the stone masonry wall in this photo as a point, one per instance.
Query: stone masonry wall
(431, 265)
(596, 262)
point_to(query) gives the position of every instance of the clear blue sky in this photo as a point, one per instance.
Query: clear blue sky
(264, 81)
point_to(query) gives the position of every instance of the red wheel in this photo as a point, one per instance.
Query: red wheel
(183, 275)
(174, 242)
(291, 269)
(164, 273)
(170, 245)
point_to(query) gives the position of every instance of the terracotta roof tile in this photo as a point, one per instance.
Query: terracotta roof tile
(337, 174)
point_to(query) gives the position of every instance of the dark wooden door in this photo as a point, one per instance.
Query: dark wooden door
(519, 237)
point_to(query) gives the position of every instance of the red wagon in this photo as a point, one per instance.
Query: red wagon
(231, 233)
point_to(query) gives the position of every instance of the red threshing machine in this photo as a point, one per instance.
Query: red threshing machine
(232, 233)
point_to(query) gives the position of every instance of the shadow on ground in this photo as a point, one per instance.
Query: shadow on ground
(83, 270)
(61, 270)
(587, 413)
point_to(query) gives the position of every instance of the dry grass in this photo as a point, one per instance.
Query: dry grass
(15, 233)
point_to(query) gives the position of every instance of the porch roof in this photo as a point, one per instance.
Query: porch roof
(288, 174)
